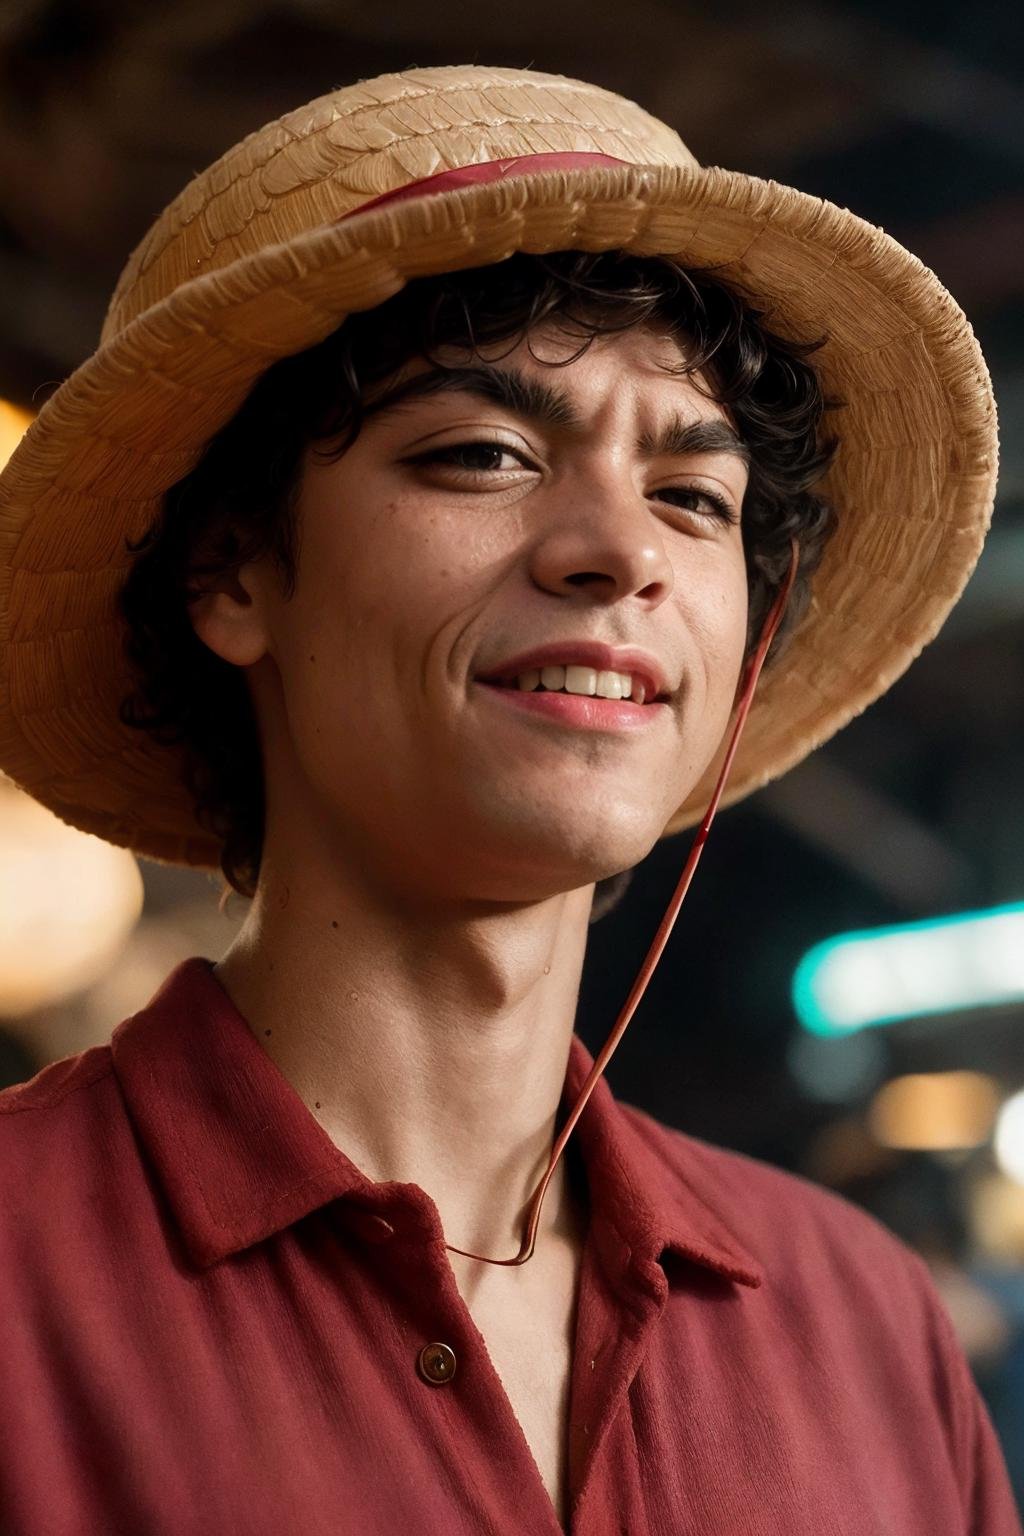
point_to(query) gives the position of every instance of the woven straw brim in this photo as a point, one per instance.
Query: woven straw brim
(913, 482)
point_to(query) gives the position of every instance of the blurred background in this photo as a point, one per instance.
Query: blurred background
(844, 991)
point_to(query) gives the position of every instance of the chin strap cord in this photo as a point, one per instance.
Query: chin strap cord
(646, 971)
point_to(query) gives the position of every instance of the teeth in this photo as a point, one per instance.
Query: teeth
(580, 680)
(584, 680)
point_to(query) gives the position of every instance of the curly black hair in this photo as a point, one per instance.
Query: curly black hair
(239, 501)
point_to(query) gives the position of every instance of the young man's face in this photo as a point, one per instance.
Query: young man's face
(427, 566)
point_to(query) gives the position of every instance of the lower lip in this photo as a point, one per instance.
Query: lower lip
(580, 710)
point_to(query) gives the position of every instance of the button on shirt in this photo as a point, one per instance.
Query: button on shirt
(212, 1321)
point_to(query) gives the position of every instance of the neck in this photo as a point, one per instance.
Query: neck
(430, 1041)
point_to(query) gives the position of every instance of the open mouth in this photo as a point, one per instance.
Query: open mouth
(514, 687)
(580, 682)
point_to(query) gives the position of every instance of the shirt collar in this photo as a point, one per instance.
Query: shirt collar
(239, 1156)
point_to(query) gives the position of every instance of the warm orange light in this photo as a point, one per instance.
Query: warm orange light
(13, 424)
(996, 1207)
(68, 901)
(934, 1111)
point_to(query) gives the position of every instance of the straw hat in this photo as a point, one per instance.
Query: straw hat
(331, 210)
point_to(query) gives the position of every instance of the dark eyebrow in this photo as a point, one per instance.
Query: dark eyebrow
(690, 437)
(506, 387)
(551, 407)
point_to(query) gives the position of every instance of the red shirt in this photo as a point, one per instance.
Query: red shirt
(210, 1325)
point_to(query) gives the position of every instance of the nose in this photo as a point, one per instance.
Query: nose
(602, 537)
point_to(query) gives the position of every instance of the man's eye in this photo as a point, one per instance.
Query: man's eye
(474, 456)
(690, 498)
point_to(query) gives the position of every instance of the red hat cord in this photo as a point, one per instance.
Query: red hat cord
(646, 971)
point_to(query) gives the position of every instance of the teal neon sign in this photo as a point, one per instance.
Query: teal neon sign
(939, 965)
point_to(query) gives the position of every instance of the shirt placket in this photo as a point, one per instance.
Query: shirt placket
(463, 1403)
(622, 1297)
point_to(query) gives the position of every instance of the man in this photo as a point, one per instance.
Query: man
(448, 553)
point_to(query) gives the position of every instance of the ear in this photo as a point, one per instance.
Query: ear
(231, 615)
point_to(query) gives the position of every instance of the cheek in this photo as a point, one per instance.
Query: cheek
(736, 608)
(716, 607)
(364, 642)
